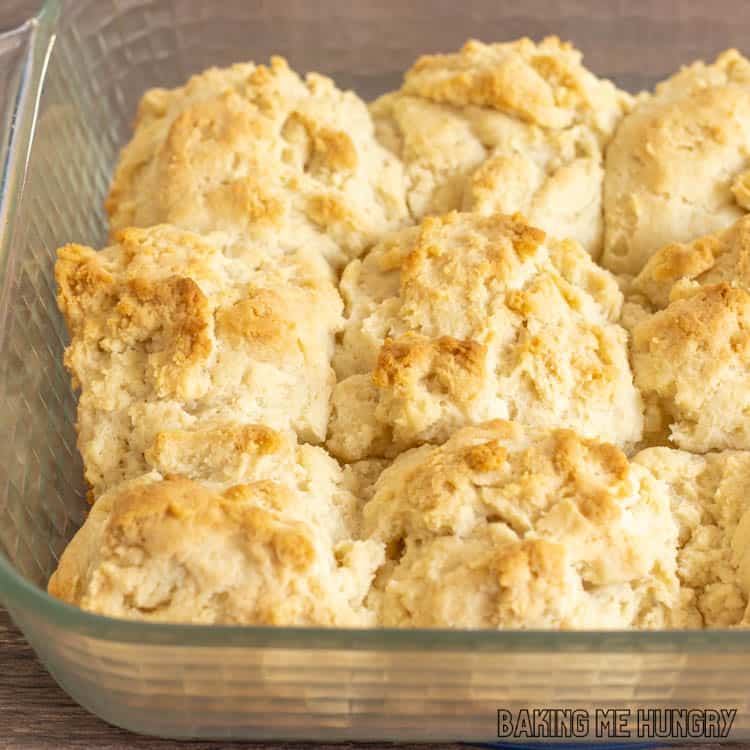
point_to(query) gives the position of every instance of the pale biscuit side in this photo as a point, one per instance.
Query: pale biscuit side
(709, 495)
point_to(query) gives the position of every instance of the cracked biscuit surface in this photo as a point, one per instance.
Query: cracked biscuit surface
(263, 155)
(169, 330)
(691, 345)
(467, 318)
(505, 526)
(710, 499)
(711, 259)
(255, 530)
(505, 127)
(677, 167)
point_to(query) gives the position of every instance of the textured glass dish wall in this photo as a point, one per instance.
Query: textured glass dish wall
(99, 55)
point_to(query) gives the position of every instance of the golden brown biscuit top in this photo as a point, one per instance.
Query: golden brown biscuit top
(467, 318)
(174, 550)
(261, 154)
(499, 473)
(513, 127)
(506, 526)
(676, 168)
(723, 257)
(541, 83)
(170, 329)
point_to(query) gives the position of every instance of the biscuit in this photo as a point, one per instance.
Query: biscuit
(687, 350)
(172, 331)
(230, 453)
(174, 550)
(262, 155)
(691, 362)
(467, 318)
(710, 499)
(676, 168)
(505, 127)
(505, 526)
(712, 259)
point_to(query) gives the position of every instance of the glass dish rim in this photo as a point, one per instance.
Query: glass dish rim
(22, 596)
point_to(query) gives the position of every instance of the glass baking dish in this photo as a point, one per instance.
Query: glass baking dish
(70, 80)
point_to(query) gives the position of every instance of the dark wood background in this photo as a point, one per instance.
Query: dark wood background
(34, 711)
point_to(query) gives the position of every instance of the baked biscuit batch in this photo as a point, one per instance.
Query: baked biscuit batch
(474, 356)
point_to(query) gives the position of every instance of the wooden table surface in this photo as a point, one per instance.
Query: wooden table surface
(34, 711)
